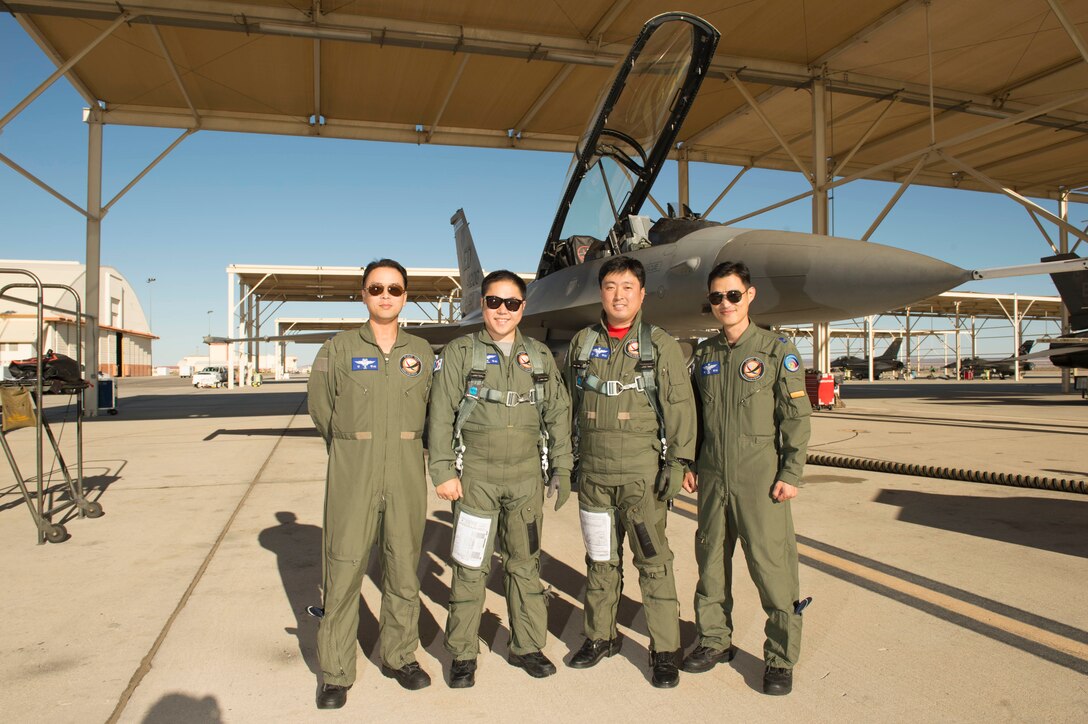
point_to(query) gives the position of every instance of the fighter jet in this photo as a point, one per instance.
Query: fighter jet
(859, 366)
(999, 367)
(1071, 351)
(801, 278)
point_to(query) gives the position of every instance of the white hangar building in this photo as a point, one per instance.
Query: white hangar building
(124, 337)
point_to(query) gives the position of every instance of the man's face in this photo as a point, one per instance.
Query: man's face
(621, 298)
(501, 322)
(727, 312)
(384, 307)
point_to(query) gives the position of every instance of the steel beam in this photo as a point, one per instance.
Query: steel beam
(92, 270)
(40, 184)
(1017, 197)
(62, 70)
(185, 134)
(895, 197)
(449, 94)
(754, 104)
(1070, 28)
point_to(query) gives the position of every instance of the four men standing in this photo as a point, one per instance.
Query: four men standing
(500, 432)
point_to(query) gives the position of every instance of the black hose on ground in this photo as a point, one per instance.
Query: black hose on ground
(933, 471)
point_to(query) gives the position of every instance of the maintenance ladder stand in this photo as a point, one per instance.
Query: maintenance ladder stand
(36, 501)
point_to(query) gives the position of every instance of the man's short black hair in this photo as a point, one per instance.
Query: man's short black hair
(502, 275)
(621, 264)
(726, 268)
(385, 263)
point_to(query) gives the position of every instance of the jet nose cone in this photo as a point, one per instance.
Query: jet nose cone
(811, 278)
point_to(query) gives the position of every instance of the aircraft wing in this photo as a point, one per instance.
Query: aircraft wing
(1042, 354)
(301, 338)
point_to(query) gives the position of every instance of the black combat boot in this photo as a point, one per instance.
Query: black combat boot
(462, 674)
(666, 669)
(535, 663)
(593, 651)
(704, 658)
(777, 681)
(332, 696)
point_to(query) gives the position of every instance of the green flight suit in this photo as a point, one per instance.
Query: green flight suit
(370, 409)
(754, 432)
(619, 457)
(502, 482)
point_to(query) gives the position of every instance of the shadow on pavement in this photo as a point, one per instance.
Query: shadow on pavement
(216, 403)
(1051, 524)
(183, 709)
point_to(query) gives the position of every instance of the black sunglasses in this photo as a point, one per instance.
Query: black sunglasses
(512, 303)
(733, 295)
(375, 290)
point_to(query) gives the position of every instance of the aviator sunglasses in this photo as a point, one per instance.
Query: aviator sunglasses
(375, 290)
(733, 295)
(512, 303)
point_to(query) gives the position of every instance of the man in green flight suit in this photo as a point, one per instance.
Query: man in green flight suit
(499, 424)
(755, 430)
(635, 424)
(368, 399)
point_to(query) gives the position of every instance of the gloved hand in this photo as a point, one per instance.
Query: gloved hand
(559, 483)
(669, 480)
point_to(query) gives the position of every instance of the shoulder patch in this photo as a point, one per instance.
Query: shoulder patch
(791, 363)
(782, 340)
(524, 362)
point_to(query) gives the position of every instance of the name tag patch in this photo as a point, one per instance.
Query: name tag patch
(600, 352)
(711, 368)
(492, 358)
(364, 364)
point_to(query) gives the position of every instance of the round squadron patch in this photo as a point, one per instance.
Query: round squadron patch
(411, 365)
(524, 362)
(791, 363)
(751, 369)
(631, 349)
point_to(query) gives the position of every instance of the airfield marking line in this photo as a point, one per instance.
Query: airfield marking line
(145, 663)
(1010, 625)
(917, 414)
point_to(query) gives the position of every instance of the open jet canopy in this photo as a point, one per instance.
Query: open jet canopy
(634, 125)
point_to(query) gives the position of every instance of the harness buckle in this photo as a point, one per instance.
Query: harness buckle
(640, 384)
(512, 399)
(612, 388)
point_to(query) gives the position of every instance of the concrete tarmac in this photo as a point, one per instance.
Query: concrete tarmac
(933, 599)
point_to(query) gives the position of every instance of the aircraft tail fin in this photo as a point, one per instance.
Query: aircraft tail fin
(892, 352)
(468, 264)
(1026, 347)
(1073, 289)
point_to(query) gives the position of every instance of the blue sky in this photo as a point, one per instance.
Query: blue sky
(222, 199)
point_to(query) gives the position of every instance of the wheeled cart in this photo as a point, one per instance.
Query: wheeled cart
(36, 499)
(821, 390)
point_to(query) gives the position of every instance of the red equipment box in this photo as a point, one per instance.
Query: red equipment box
(821, 390)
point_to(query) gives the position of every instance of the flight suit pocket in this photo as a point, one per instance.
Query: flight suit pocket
(526, 529)
(352, 410)
(642, 532)
(473, 537)
(757, 409)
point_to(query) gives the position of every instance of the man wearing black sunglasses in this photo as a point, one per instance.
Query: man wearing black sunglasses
(499, 429)
(368, 399)
(635, 420)
(754, 435)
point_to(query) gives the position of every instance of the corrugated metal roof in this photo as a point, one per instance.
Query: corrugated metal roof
(524, 74)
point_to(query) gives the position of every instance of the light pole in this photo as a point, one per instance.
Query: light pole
(150, 304)
(151, 322)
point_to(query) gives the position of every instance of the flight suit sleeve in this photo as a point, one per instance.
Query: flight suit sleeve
(792, 413)
(321, 391)
(676, 400)
(557, 417)
(447, 388)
